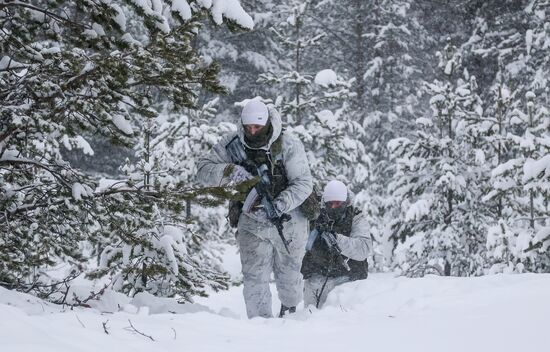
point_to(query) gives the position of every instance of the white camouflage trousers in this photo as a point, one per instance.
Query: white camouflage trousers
(314, 291)
(262, 252)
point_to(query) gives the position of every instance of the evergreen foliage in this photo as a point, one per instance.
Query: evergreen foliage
(72, 69)
(439, 178)
(168, 251)
(447, 151)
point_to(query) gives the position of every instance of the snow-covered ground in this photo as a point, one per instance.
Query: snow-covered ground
(384, 313)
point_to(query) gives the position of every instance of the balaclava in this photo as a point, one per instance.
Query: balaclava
(256, 113)
(336, 191)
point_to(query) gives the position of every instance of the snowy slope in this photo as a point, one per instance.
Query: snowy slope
(383, 313)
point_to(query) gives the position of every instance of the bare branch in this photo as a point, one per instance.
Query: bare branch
(53, 287)
(132, 328)
(93, 295)
(105, 326)
(77, 318)
(65, 295)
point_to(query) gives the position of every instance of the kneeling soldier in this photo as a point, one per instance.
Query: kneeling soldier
(337, 248)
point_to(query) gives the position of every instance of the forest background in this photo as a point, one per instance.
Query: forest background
(435, 113)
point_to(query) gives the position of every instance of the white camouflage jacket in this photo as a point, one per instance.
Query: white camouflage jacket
(211, 167)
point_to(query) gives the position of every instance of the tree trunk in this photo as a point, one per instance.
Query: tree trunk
(144, 275)
(532, 210)
(188, 209)
(359, 64)
(448, 217)
(147, 157)
(499, 147)
(447, 268)
(298, 91)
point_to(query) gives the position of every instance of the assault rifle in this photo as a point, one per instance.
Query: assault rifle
(330, 240)
(236, 152)
(326, 235)
(324, 231)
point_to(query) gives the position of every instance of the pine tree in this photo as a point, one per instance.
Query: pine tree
(168, 251)
(72, 69)
(521, 197)
(500, 198)
(439, 175)
(510, 40)
(293, 76)
(314, 104)
(243, 55)
(506, 49)
(534, 145)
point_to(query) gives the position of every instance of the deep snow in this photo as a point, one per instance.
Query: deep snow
(384, 313)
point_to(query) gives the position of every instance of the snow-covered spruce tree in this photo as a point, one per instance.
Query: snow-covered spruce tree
(243, 55)
(332, 139)
(314, 104)
(534, 216)
(502, 118)
(379, 45)
(293, 77)
(511, 39)
(537, 175)
(439, 178)
(72, 68)
(500, 198)
(509, 46)
(343, 49)
(169, 249)
(396, 48)
(518, 195)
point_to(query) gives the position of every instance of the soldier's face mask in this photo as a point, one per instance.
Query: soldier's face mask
(257, 135)
(335, 209)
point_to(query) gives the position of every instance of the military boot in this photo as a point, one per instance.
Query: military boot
(285, 309)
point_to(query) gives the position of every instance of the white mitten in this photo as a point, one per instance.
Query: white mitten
(239, 174)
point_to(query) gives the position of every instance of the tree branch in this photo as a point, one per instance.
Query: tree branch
(7, 134)
(56, 17)
(81, 323)
(191, 193)
(105, 326)
(55, 174)
(139, 332)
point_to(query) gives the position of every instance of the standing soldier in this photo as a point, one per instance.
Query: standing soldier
(337, 248)
(271, 229)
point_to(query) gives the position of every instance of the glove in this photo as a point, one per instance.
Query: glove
(239, 174)
(259, 215)
(278, 206)
(323, 226)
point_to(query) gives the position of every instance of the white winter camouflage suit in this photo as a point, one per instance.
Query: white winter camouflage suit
(357, 247)
(262, 250)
